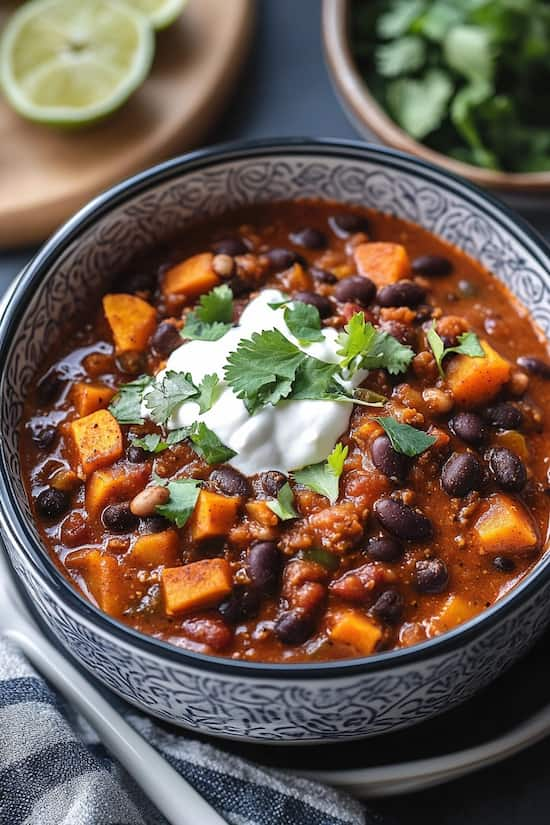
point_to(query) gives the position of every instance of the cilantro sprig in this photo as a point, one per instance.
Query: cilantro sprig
(126, 404)
(468, 345)
(404, 438)
(304, 322)
(174, 389)
(283, 505)
(362, 346)
(184, 493)
(212, 318)
(208, 445)
(156, 443)
(324, 477)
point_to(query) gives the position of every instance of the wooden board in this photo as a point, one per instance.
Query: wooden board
(46, 175)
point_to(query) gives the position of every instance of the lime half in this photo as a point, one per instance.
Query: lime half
(161, 13)
(71, 62)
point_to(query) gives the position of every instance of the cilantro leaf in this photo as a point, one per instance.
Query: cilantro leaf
(304, 322)
(404, 438)
(168, 394)
(184, 493)
(356, 340)
(364, 347)
(283, 505)
(212, 318)
(126, 404)
(261, 370)
(315, 381)
(324, 477)
(401, 56)
(208, 445)
(155, 443)
(420, 104)
(388, 353)
(209, 390)
(468, 345)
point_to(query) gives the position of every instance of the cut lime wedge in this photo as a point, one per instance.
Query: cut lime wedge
(160, 13)
(72, 62)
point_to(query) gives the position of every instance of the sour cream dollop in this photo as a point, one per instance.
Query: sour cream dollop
(284, 437)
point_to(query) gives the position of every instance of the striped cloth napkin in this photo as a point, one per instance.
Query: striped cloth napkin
(54, 771)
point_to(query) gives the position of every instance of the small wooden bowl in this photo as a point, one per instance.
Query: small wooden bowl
(369, 117)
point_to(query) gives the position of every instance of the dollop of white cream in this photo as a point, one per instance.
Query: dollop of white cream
(284, 437)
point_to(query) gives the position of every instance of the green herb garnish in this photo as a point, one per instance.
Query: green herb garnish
(212, 318)
(166, 395)
(304, 322)
(208, 392)
(208, 445)
(183, 497)
(362, 346)
(126, 404)
(468, 345)
(283, 505)
(404, 438)
(155, 443)
(323, 557)
(324, 478)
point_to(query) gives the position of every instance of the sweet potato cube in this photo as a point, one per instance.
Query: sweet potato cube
(455, 611)
(132, 321)
(94, 441)
(191, 277)
(259, 511)
(114, 484)
(505, 527)
(357, 630)
(103, 578)
(213, 515)
(200, 584)
(475, 381)
(88, 398)
(156, 548)
(384, 263)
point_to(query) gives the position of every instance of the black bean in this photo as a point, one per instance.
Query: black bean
(403, 521)
(238, 286)
(469, 427)
(387, 460)
(264, 565)
(271, 482)
(309, 238)
(348, 223)
(505, 416)
(165, 339)
(281, 259)
(230, 481)
(461, 474)
(230, 246)
(356, 289)
(293, 627)
(320, 302)
(154, 524)
(119, 518)
(136, 455)
(52, 503)
(432, 265)
(431, 575)
(384, 548)
(49, 387)
(322, 276)
(402, 332)
(504, 564)
(534, 365)
(43, 435)
(244, 603)
(507, 469)
(401, 294)
(388, 607)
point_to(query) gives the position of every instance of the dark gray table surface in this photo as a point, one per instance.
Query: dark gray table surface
(285, 90)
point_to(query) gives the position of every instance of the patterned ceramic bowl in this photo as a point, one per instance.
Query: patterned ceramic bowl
(277, 703)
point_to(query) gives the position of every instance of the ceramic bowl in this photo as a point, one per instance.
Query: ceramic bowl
(273, 703)
(523, 189)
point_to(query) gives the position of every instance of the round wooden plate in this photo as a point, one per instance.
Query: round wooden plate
(46, 175)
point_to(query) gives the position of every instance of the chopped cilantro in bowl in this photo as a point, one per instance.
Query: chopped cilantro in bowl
(467, 78)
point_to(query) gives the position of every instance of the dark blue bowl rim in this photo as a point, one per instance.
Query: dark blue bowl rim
(13, 520)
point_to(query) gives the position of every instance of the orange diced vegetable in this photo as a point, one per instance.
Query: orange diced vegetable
(384, 263)
(103, 577)
(260, 512)
(94, 441)
(477, 380)
(358, 631)
(132, 321)
(295, 278)
(505, 527)
(514, 441)
(114, 484)
(200, 584)
(191, 277)
(156, 548)
(455, 611)
(87, 398)
(213, 515)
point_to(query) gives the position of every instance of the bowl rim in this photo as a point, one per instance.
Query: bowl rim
(364, 110)
(13, 523)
